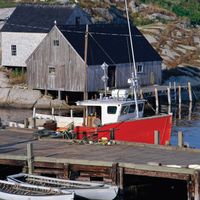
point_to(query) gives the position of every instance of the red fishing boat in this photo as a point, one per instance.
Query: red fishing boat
(115, 118)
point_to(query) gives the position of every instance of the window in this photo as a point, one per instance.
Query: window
(52, 70)
(56, 42)
(139, 68)
(124, 110)
(140, 107)
(13, 50)
(132, 108)
(111, 109)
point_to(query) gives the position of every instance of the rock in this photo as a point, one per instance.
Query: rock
(59, 104)
(4, 92)
(4, 81)
(43, 103)
(21, 98)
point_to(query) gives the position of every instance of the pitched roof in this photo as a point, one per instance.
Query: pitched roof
(110, 43)
(37, 18)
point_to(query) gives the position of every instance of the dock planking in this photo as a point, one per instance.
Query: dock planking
(112, 162)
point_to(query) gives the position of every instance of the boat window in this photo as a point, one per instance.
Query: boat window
(140, 107)
(111, 109)
(124, 110)
(132, 108)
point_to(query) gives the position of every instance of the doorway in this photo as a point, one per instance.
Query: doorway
(111, 76)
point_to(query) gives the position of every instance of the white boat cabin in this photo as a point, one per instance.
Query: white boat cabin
(112, 109)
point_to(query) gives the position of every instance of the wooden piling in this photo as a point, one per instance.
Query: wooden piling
(179, 94)
(141, 94)
(168, 96)
(66, 170)
(197, 185)
(121, 178)
(180, 139)
(156, 137)
(112, 134)
(30, 158)
(114, 173)
(26, 122)
(32, 123)
(157, 100)
(190, 91)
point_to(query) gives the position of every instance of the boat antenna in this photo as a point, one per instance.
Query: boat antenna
(134, 81)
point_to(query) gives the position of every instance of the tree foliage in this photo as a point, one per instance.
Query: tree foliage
(182, 8)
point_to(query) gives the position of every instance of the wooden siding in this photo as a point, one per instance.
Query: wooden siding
(68, 74)
(69, 68)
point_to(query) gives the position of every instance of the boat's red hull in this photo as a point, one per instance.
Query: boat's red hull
(138, 130)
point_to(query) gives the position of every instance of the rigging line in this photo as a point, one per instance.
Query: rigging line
(102, 49)
(74, 31)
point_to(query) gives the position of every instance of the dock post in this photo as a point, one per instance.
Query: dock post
(114, 173)
(112, 134)
(156, 137)
(34, 109)
(180, 139)
(157, 101)
(168, 96)
(197, 186)
(30, 157)
(121, 178)
(33, 123)
(175, 91)
(26, 123)
(66, 170)
(179, 94)
(141, 94)
(190, 91)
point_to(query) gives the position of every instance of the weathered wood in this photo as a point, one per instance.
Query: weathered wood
(26, 123)
(121, 178)
(168, 96)
(156, 137)
(48, 171)
(49, 165)
(155, 173)
(190, 189)
(197, 185)
(190, 91)
(30, 157)
(157, 100)
(114, 173)
(66, 170)
(179, 94)
(180, 139)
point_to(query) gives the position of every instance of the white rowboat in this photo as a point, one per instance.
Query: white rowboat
(19, 191)
(89, 190)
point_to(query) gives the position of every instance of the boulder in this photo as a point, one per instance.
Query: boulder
(43, 103)
(59, 104)
(23, 98)
(4, 92)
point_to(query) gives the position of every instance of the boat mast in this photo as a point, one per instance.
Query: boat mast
(85, 74)
(134, 80)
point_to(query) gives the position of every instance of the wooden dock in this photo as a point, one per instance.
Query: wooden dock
(115, 163)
